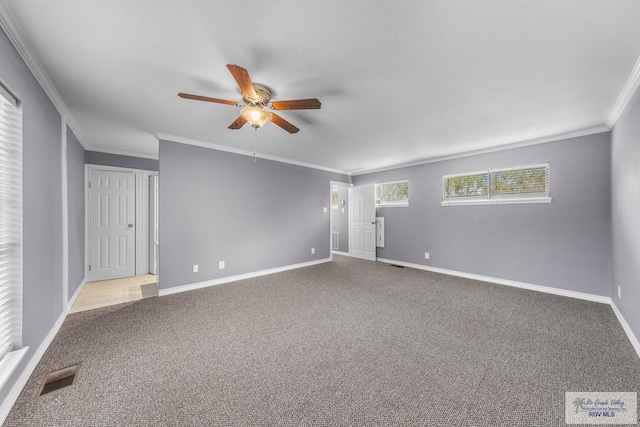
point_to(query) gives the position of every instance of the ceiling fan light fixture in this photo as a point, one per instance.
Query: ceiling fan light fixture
(255, 116)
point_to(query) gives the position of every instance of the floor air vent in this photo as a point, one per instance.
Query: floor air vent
(58, 379)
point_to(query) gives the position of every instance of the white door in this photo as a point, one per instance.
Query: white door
(362, 222)
(112, 225)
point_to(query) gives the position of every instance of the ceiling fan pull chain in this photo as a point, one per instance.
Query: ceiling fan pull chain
(255, 143)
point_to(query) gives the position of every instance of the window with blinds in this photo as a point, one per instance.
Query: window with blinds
(392, 193)
(525, 184)
(10, 224)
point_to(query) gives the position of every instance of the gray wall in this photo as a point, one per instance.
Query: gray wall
(42, 203)
(218, 206)
(340, 219)
(75, 210)
(625, 213)
(106, 159)
(564, 244)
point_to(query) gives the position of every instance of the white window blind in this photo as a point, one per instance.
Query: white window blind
(10, 224)
(531, 181)
(525, 184)
(469, 186)
(392, 193)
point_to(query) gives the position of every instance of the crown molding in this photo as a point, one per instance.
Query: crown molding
(526, 143)
(630, 87)
(7, 23)
(203, 144)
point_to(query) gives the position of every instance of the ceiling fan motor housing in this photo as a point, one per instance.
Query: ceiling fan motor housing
(263, 96)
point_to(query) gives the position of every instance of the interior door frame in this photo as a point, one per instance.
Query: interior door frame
(142, 216)
(331, 185)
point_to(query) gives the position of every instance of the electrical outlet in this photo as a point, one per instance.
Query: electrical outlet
(324, 209)
(426, 255)
(221, 265)
(195, 268)
(619, 292)
(313, 251)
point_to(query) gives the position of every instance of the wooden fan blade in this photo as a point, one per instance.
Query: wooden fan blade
(283, 123)
(297, 104)
(240, 121)
(241, 77)
(206, 98)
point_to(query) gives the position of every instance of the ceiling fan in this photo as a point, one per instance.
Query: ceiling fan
(256, 100)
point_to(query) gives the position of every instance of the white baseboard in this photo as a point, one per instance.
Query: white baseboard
(627, 329)
(74, 297)
(512, 283)
(341, 253)
(206, 284)
(15, 391)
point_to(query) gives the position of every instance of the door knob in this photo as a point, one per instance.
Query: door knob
(130, 225)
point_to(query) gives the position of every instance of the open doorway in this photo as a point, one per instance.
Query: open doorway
(339, 218)
(121, 236)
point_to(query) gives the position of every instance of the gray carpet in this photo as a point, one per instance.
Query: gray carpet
(344, 343)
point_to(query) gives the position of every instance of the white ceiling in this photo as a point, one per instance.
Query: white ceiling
(399, 81)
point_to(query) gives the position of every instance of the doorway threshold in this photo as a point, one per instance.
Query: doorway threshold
(106, 293)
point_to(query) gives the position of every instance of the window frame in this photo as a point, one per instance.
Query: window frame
(403, 204)
(11, 360)
(490, 199)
